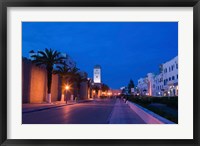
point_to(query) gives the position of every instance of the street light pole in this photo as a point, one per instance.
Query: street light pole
(67, 88)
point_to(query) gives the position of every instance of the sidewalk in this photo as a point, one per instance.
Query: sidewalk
(123, 114)
(28, 108)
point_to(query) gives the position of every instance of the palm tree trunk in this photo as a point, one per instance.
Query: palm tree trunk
(49, 81)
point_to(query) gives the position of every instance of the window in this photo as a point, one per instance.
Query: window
(177, 66)
(169, 69)
(177, 76)
(169, 78)
(165, 81)
(172, 67)
(172, 77)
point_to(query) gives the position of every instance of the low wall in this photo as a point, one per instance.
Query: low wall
(84, 91)
(34, 84)
(147, 115)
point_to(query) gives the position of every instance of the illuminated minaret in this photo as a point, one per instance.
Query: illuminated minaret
(97, 74)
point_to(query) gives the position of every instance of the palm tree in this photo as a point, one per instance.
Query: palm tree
(48, 58)
(73, 74)
(79, 79)
(76, 77)
(63, 71)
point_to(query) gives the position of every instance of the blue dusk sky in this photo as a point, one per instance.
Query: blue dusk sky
(125, 50)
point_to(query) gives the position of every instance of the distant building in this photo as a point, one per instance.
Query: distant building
(124, 90)
(158, 85)
(170, 77)
(142, 86)
(115, 92)
(163, 84)
(97, 74)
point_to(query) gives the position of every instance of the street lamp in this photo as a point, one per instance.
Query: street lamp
(67, 87)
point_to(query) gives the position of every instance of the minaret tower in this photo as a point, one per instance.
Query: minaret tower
(97, 74)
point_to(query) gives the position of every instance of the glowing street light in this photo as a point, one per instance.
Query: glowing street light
(67, 87)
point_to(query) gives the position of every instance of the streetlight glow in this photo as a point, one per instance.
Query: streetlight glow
(67, 87)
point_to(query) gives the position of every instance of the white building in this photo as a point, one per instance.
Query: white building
(158, 85)
(97, 74)
(142, 86)
(163, 84)
(170, 77)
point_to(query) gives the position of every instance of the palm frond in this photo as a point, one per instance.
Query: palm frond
(43, 54)
(32, 51)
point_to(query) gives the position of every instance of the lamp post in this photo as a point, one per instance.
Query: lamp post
(67, 88)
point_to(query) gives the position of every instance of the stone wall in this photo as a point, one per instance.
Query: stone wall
(84, 90)
(34, 84)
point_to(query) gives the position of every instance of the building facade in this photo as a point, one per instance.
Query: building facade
(158, 85)
(170, 77)
(165, 83)
(142, 86)
(97, 74)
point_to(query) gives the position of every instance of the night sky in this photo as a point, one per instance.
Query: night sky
(125, 50)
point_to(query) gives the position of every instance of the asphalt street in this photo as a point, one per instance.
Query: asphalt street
(94, 112)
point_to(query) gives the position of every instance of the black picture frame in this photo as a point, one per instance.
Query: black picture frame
(97, 3)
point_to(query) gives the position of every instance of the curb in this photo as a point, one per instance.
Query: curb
(46, 108)
(147, 115)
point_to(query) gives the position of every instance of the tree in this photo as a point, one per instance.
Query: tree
(72, 75)
(76, 77)
(79, 79)
(63, 72)
(47, 58)
(130, 85)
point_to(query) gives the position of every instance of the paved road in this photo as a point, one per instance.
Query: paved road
(94, 112)
(123, 114)
(101, 111)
